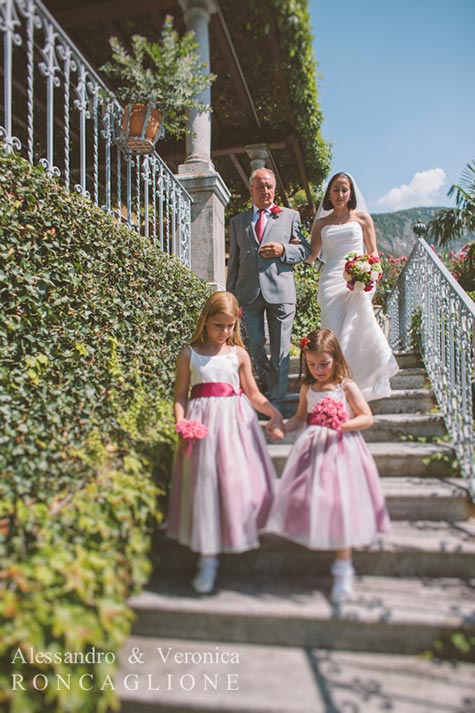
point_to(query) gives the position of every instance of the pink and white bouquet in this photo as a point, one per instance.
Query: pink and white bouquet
(362, 272)
(190, 431)
(329, 412)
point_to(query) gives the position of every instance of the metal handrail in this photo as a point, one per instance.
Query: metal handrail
(58, 112)
(427, 291)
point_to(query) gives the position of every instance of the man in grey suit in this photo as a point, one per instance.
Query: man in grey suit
(265, 242)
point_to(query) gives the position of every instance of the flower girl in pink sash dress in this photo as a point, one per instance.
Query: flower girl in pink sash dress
(223, 477)
(330, 496)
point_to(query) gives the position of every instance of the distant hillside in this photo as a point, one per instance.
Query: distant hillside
(394, 231)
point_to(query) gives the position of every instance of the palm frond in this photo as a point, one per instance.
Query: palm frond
(453, 223)
(446, 225)
(468, 178)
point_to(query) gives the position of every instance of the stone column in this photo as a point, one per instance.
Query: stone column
(258, 155)
(197, 174)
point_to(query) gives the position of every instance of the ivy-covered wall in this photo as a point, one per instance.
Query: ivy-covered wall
(92, 317)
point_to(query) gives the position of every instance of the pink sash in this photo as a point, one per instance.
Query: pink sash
(214, 388)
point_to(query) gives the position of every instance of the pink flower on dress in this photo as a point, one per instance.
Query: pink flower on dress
(190, 431)
(329, 413)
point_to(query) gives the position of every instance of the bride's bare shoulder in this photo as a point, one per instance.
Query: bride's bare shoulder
(325, 220)
(363, 217)
(319, 224)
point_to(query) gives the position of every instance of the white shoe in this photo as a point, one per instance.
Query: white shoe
(343, 573)
(203, 582)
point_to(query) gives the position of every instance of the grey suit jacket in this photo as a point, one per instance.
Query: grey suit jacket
(249, 273)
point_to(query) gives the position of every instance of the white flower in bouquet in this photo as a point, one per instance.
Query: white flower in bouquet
(362, 272)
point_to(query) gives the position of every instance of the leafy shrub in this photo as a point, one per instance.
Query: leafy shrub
(88, 552)
(392, 268)
(307, 316)
(461, 264)
(415, 331)
(92, 317)
(87, 307)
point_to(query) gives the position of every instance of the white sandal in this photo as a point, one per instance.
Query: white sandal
(203, 582)
(343, 573)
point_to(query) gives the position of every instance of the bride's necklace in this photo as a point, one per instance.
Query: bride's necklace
(342, 220)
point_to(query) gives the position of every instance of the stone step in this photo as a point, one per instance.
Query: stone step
(388, 427)
(408, 360)
(421, 548)
(391, 427)
(406, 401)
(405, 615)
(284, 679)
(392, 458)
(405, 360)
(427, 499)
(401, 401)
(415, 378)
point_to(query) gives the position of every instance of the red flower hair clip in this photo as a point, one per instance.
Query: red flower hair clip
(240, 313)
(303, 343)
(276, 209)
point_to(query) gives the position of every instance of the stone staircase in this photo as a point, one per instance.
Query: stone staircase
(269, 641)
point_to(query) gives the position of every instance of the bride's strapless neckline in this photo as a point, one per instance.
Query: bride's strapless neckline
(340, 225)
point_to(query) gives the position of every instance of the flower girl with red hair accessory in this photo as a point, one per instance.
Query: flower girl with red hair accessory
(330, 496)
(223, 477)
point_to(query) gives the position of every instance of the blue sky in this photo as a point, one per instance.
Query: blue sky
(398, 95)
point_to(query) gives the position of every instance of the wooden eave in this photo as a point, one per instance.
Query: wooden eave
(121, 17)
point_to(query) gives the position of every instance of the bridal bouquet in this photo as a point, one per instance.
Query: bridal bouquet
(362, 272)
(329, 413)
(190, 431)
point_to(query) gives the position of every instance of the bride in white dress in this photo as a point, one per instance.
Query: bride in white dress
(342, 226)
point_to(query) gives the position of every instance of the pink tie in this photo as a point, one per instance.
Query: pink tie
(260, 224)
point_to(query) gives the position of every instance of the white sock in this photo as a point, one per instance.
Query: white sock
(208, 562)
(342, 567)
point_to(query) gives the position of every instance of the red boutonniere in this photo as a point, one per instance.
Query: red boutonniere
(303, 343)
(275, 210)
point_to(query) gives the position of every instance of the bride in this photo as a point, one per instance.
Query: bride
(342, 226)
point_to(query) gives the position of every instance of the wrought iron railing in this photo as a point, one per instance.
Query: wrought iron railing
(428, 300)
(57, 112)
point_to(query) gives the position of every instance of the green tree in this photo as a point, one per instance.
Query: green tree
(453, 223)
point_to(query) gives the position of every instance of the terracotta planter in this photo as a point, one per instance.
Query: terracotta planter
(141, 127)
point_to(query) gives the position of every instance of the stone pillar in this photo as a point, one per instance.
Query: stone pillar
(198, 144)
(210, 195)
(258, 155)
(197, 173)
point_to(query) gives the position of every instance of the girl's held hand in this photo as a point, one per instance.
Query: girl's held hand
(275, 432)
(276, 425)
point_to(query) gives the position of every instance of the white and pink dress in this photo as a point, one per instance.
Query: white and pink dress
(221, 494)
(330, 496)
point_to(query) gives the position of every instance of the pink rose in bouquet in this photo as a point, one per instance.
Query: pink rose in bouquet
(190, 431)
(329, 412)
(362, 272)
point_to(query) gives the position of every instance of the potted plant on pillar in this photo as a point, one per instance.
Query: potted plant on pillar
(159, 82)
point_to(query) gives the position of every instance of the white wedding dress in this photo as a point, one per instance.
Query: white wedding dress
(349, 314)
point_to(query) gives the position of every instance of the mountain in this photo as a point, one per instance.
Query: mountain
(394, 231)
